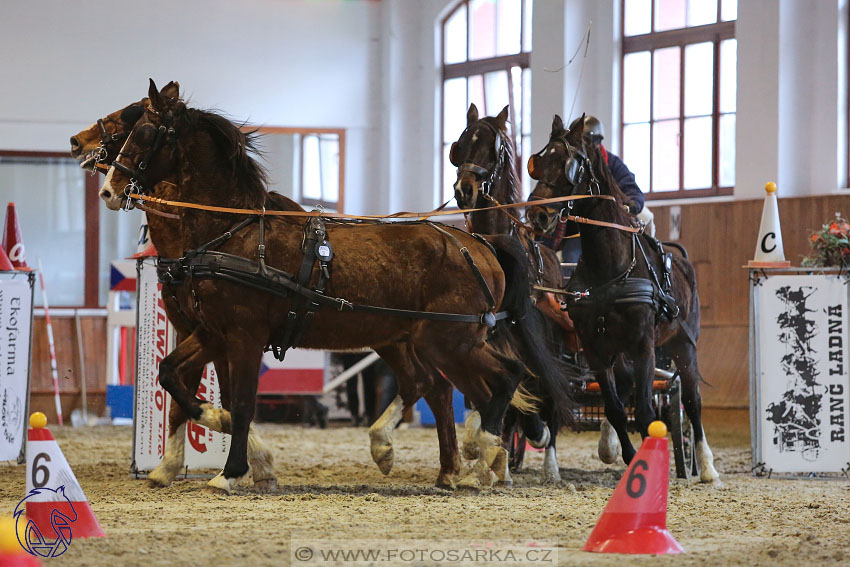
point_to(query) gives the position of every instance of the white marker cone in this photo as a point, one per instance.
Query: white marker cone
(52, 487)
(769, 251)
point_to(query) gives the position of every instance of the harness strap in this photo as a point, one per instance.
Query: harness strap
(243, 271)
(468, 257)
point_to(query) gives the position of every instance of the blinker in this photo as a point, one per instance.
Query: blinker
(532, 167)
(452, 157)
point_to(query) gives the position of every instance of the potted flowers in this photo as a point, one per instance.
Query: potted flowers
(830, 245)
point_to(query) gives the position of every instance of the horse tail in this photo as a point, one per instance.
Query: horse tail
(537, 343)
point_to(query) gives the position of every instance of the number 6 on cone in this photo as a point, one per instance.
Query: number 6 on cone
(635, 519)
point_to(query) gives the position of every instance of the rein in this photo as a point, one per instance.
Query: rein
(399, 215)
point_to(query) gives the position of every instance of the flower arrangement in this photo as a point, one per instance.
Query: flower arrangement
(830, 245)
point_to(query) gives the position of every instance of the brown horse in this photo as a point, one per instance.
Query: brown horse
(627, 294)
(402, 266)
(485, 157)
(100, 144)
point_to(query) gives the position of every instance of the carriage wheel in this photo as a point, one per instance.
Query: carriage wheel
(682, 433)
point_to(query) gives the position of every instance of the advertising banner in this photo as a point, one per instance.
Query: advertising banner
(16, 298)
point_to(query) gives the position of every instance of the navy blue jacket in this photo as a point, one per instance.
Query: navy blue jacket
(626, 181)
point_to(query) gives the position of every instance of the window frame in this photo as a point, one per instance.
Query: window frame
(337, 206)
(92, 201)
(715, 34)
(473, 67)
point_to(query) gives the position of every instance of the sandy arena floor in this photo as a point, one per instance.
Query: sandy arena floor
(329, 488)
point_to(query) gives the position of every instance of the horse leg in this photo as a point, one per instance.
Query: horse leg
(551, 470)
(440, 401)
(381, 432)
(471, 425)
(260, 457)
(173, 459)
(615, 412)
(244, 357)
(189, 356)
(643, 361)
(685, 356)
(609, 444)
(535, 430)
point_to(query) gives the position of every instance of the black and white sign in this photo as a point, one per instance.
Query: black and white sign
(802, 388)
(16, 296)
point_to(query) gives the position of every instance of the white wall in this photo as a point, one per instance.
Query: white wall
(273, 62)
(371, 67)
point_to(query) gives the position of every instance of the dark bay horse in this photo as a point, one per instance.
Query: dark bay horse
(628, 295)
(485, 157)
(408, 266)
(100, 144)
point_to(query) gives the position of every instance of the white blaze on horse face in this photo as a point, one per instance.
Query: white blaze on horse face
(551, 472)
(109, 193)
(705, 462)
(380, 435)
(609, 443)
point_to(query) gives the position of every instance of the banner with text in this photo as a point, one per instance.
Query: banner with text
(16, 297)
(802, 380)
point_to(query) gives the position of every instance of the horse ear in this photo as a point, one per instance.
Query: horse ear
(154, 97)
(557, 125)
(577, 127)
(171, 90)
(502, 118)
(471, 114)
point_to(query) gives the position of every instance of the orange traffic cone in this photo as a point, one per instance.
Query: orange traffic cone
(56, 506)
(12, 553)
(5, 263)
(13, 243)
(769, 251)
(635, 519)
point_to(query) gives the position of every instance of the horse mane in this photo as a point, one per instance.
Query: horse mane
(239, 149)
(513, 180)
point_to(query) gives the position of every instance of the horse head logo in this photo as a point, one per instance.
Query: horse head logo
(31, 537)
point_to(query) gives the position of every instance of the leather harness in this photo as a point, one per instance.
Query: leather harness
(205, 263)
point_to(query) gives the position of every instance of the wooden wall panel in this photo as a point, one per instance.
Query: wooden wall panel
(68, 365)
(721, 238)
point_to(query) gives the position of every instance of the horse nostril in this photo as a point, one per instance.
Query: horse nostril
(74, 143)
(106, 194)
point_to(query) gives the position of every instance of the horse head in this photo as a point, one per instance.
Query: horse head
(481, 154)
(148, 154)
(569, 165)
(100, 142)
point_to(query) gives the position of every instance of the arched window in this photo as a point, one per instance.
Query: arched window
(485, 54)
(678, 98)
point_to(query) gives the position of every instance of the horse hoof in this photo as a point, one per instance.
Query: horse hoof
(226, 485)
(543, 441)
(155, 481)
(508, 483)
(446, 481)
(384, 457)
(609, 445)
(471, 451)
(265, 485)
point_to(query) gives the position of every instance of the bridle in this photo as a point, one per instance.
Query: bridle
(487, 176)
(580, 179)
(138, 183)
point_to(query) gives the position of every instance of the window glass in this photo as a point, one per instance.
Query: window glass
(482, 40)
(728, 74)
(728, 10)
(312, 174)
(727, 150)
(698, 154)
(636, 88)
(699, 79)
(454, 40)
(526, 104)
(526, 25)
(329, 153)
(638, 17)
(49, 197)
(636, 152)
(665, 155)
(666, 83)
(496, 91)
(702, 12)
(669, 14)
(507, 30)
(516, 124)
(449, 175)
(454, 108)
